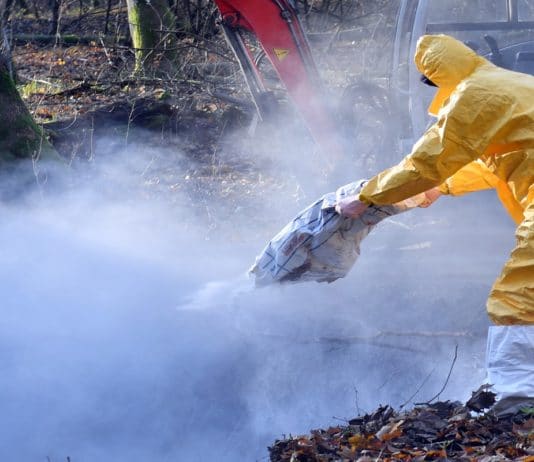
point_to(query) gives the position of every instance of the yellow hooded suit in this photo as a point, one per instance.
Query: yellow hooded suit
(483, 138)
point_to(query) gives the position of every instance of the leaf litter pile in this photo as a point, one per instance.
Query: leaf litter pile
(436, 432)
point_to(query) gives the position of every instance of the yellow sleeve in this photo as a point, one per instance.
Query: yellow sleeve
(474, 176)
(466, 125)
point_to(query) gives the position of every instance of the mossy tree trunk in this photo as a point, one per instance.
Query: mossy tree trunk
(20, 137)
(152, 28)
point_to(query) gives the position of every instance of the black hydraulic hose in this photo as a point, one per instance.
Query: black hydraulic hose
(287, 15)
(237, 44)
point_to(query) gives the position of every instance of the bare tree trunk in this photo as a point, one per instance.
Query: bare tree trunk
(5, 51)
(55, 6)
(108, 12)
(152, 28)
(118, 22)
(20, 137)
(5, 36)
(6, 7)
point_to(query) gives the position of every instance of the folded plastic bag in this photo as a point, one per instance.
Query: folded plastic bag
(319, 244)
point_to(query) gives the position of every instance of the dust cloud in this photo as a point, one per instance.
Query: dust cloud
(129, 330)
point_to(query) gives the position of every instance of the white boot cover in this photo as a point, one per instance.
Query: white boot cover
(510, 367)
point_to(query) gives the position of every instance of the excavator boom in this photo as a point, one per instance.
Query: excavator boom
(276, 26)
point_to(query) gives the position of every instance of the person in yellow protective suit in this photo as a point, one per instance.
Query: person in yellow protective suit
(483, 138)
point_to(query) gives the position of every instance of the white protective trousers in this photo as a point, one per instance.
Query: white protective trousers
(510, 366)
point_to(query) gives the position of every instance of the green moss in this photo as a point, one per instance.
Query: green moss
(23, 138)
(163, 96)
(144, 27)
(39, 88)
(143, 36)
(20, 136)
(7, 86)
(22, 146)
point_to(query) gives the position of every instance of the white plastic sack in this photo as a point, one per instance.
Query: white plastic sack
(510, 366)
(319, 244)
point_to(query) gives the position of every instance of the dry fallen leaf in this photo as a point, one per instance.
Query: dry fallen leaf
(525, 429)
(390, 431)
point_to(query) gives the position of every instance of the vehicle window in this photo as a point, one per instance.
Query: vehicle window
(526, 10)
(468, 10)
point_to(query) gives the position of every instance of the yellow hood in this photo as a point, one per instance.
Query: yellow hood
(446, 61)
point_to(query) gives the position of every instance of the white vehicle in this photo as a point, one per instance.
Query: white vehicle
(500, 30)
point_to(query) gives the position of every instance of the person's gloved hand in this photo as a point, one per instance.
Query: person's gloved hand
(351, 207)
(431, 196)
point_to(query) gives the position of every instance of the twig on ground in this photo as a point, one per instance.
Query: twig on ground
(446, 381)
(409, 400)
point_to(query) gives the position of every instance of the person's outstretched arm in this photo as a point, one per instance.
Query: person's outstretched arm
(465, 128)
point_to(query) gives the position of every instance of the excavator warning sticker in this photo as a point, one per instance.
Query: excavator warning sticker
(281, 53)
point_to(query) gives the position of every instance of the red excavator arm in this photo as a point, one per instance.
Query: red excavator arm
(277, 28)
